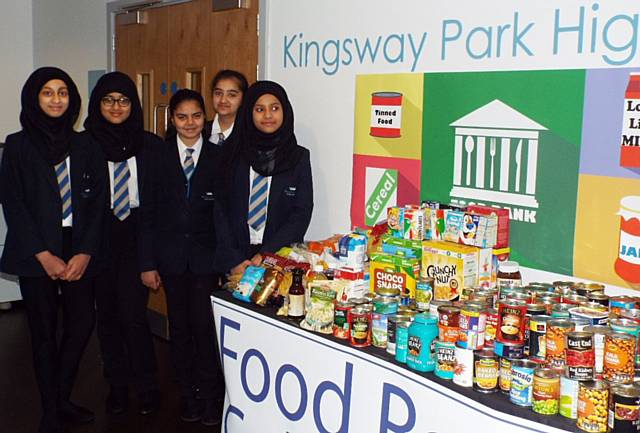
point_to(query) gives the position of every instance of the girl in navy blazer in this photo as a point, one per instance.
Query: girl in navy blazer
(52, 187)
(268, 196)
(115, 124)
(179, 240)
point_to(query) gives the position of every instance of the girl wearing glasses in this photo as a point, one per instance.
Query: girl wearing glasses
(115, 125)
(52, 188)
(179, 240)
(227, 89)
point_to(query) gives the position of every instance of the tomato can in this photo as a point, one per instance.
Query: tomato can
(341, 320)
(569, 397)
(486, 371)
(593, 404)
(557, 329)
(360, 326)
(619, 357)
(445, 359)
(546, 391)
(473, 322)
(618, 303)
(521, 392)
(448, 323)
(463, 372)
(580, 356)
(537, 336)
(624, 409)
(504, 380)
(511, 321)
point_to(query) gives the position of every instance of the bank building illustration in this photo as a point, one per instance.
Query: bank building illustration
(496, 156)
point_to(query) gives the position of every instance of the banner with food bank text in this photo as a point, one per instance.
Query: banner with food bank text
(558, 148)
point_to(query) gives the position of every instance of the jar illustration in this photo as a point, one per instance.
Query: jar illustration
(627, 264)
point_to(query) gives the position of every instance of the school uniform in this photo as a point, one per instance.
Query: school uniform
(179, 239)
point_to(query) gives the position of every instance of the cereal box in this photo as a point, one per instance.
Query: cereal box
(411, 249)
(414, 223)
(387, 271)
(502, 223)
(395, 221)
(452, 266)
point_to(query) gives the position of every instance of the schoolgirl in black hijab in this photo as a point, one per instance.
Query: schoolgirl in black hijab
(52, 187)
(115, 123)
(263, 144)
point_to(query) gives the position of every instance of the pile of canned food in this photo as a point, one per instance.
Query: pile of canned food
(563, 348)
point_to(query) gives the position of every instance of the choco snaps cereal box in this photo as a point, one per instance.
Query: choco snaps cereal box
(452, 266)
(387, 271)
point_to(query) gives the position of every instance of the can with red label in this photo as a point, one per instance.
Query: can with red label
(473, 321)
(580, 356)
(341, 320)
(360, 326)
(386, 114)
(511, 321)
(448, 323)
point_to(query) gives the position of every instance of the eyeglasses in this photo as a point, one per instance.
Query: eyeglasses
(122, 101)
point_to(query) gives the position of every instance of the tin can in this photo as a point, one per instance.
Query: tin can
(619, 355)
(546, 391)
(599, 297)
(624, 409)
(402, 341)
(491, 327)
(505, 292)
(618, 303)
(435, 304)
(360, 326)
(580, 356)
(504, 379)
(574, 299)
(392, 326)
(379, 323)
(473, 321)
(599, 332)
(521, 392)
(508, 350)
(633, 315)
(341, 320)
(533, 309)
(485, 371)
(561, 311)
(630, 327)
(569, 397)
(448, 323)
(520, 296)
(445, 359)
(467, 293)
(593, 317)
(463, 373)
(589, 288)
(593, 403)
(511, 321)
(579, 323)
(537, 336)
(424, 293)
(557, 330)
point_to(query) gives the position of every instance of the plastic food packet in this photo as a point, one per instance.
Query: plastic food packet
(270, 282)
(319, 316)
(248, 283)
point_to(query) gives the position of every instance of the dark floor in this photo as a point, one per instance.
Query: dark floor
(19, 399)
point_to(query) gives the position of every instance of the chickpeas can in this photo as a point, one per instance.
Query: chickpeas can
(521, 392)
(511, 321)
(624, 409)
(485, 371)
(473, 321)
(555, 342)
(445, 359)
(569, 397)
(619, 356)
(546, 391)
(448, 323)
(463, 372)
(593, 403)
(580, 356)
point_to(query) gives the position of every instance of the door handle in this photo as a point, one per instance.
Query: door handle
(166, 117)
(155, 116)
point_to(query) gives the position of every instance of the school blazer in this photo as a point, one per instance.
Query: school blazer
(151, 145)
(33, 208)
(289, 210)
(178, 233)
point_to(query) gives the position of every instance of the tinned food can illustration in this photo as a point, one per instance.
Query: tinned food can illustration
(386, 114)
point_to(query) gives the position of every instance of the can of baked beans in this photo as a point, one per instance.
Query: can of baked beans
(445, 359)
(486, 370)
(491, 327)
(619, 357)
(511, 321)
(557, 329)
(580, 356)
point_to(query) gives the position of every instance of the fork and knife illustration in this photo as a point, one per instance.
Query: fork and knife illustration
(492, 154)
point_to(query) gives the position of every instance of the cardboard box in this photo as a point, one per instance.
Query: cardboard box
(389, 271)
(452, 266)
(502, 224)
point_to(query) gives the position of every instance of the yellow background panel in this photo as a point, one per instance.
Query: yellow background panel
(409, 144)
(598, 226)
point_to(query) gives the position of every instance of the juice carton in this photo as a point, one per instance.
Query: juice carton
(387, 271)
(452, 266)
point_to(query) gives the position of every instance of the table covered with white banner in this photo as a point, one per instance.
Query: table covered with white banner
(282, 378)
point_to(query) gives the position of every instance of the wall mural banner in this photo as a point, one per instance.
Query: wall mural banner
(558, 148)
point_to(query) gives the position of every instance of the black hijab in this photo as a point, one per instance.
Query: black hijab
(51, 135)
(268, 154)
(123, 141)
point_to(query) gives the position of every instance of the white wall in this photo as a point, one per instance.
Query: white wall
(72, 35)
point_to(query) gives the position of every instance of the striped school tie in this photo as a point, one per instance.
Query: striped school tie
(220, 138)
(121, 203)
(189, 165)
(258, 202)
(62, 175)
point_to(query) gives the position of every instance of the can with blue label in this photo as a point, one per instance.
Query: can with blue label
(402, 337)
(445, 359)
(421, 343)
(508, 350)
(521, 392)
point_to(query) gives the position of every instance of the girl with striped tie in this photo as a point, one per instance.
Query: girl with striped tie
(227, 89)
(53, 193)
(115, 124)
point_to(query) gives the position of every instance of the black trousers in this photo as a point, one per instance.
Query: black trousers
(192, 333)
(121, 302)
(56, 362)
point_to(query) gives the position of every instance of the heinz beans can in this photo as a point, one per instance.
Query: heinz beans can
(445, 359)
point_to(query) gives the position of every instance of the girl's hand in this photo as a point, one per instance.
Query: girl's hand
(151, 279)
(76, 267)
(54, 266)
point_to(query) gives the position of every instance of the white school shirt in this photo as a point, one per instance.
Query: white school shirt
(255, 236)
(182, 149)
(134, 197)
(68, 221)
(216, 129)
